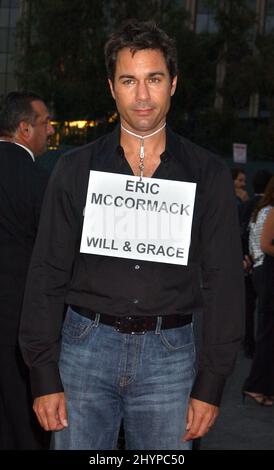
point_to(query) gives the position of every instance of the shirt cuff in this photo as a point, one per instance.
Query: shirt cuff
(208, 387)
(45, 380)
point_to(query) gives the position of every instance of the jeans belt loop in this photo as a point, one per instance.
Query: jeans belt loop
(97, 320)
(158, 325)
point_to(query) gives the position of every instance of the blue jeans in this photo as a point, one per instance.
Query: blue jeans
(144, 379)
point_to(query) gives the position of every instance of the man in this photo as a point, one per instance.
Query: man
(127, 348)
(239, 179)
(24, 130)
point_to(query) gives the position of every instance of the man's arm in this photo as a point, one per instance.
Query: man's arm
(223, 292)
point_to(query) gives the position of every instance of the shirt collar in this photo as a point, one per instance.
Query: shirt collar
(27, 149)
(20, 145)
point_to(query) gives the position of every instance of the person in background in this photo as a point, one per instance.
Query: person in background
(259, 385)
(125, 350)
(24, 131)
(259, 183)
(239, 179)
(267, 244)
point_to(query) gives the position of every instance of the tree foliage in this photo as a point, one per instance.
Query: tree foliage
(63, 58)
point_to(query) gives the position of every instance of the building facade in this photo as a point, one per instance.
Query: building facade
(9, 14)
(202, 15)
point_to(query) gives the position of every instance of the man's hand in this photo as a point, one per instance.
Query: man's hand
(200, 417)
(247, 264)
(51, 411)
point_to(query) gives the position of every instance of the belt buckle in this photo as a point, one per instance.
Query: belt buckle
(126, 325)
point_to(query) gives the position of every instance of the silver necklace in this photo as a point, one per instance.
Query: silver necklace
(142, 146)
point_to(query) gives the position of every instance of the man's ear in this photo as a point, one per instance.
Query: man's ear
(24, 129)
(111, 88)
(173, 85)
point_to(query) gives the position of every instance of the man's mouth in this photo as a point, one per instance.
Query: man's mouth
(143, 111)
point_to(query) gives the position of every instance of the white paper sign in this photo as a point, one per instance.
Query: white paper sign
(148, 219)
(239, 153)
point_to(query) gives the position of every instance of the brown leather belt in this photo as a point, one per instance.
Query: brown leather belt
(133, 325)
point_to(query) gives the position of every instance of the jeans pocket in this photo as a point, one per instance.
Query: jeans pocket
(178, 338)
(76, 327)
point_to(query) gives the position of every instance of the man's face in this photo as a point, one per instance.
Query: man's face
(142, 89)
(240, 181)
(41, 129)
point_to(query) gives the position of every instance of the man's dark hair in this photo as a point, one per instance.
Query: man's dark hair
(137, 36)
(260, 181)
(236, 171)
(15, 108)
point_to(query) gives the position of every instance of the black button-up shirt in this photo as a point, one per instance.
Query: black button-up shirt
(212, 281)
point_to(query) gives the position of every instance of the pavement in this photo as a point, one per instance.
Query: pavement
(240, 426)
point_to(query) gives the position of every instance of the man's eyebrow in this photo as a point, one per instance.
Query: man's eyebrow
(125, 76)
(156, 73)
(151, 74)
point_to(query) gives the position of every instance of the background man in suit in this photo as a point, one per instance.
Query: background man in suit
(24, 130)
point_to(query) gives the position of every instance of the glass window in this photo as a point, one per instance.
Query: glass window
(206, 23)
(205, 18)
(9, 3)
(2, 84)
(4, 39)
(12, 39)
(7, 83)
(3, 62)
(11, 83)
(4, 17)
(269, 24)
(14, 16)
(269, 20)
(203, 7)
(7, 40)
(11, 64)
(9, 17)
(252, 4)
(270, 7)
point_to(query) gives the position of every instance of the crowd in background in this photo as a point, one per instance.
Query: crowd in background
(256, 217)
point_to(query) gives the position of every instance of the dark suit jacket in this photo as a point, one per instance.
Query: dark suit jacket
(22, 185)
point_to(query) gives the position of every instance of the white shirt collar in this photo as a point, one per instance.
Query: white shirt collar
(20, 145)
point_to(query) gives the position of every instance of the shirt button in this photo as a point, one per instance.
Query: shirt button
(135, 301)
(137, 266)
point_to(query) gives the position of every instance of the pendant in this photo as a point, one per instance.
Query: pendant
(142, 156)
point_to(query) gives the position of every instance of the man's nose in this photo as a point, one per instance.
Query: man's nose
(142, 92)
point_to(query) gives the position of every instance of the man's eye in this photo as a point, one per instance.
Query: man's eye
(154, 80)
(129, 81)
